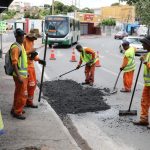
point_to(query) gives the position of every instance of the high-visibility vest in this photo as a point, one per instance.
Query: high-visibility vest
(1, 124)
(147, 71)
(130, 54)
(22, 61)
(87, 57)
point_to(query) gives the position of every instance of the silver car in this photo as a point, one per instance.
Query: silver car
(134, 42)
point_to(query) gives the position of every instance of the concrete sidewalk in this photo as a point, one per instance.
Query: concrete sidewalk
(42, 128)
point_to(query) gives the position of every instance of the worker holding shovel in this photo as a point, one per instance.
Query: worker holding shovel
(88, 56)
(128, 66)
(145, 101)
(32, 55)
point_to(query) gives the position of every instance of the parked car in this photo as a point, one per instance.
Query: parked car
(135, 42)
(121, 35)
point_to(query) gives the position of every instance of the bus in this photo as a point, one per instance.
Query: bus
(62, 30)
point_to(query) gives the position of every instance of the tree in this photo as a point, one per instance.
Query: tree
(130, 2)
(115, 4)
(108, 22)
(86, 10)
(143, 11)
(8, 14)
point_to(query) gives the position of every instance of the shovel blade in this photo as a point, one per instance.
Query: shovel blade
(127, 113)
(114, 91)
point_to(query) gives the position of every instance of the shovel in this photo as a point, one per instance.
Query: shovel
(41, 85)
(129, 111)
(71, 71)
(114, 88)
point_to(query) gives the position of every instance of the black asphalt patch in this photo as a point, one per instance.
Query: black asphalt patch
(67, 96)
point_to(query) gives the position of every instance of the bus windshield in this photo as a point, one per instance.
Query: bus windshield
(57, 26)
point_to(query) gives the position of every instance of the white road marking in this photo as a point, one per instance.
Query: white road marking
(115, 74)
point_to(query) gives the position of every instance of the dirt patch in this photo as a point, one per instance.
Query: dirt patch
(67, 96)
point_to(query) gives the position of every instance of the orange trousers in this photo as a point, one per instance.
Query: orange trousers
(145, 104)
(31, 85)
(89, 73)
(20, 96)
(128, 79)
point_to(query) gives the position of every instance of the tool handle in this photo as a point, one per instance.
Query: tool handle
(135, 86)
(117, 79)
(71, 71)
(41, 85)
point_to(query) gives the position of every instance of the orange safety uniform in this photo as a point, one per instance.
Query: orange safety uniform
(20, 94)
(145, 101)
(128, 75)
(89, 70)
(29, 45)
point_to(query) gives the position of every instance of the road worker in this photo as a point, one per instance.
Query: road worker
(128, 66)
(145, 101)
(19, 62)
(88, 56)
(32, 56)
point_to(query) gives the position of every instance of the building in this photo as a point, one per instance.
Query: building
(121, 13)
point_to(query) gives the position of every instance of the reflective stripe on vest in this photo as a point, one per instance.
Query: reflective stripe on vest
(22, 61)
(87, 57)
(147, 71)
(130, 54)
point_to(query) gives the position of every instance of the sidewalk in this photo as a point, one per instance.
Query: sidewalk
(42, 128)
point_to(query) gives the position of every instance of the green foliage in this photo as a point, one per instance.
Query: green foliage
(115, 4)
(108, 22)
(143, 11)
(86, 10)
(8, 14)
(130, 2)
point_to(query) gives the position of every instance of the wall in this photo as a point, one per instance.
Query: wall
(122, 13)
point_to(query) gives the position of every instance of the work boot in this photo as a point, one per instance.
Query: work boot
(124, 90)
(85, 83)
(21, 117)
(32, 106)
(12, 112)
(141, 123)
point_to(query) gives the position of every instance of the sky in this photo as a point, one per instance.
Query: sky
(80, 3)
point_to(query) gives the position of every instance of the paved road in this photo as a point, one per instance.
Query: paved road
(103, 130)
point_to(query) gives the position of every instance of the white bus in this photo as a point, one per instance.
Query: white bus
(62, 30)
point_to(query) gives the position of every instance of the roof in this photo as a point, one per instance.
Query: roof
(4, 4)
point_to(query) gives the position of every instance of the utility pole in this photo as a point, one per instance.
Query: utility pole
(75, 11)
(53, 7)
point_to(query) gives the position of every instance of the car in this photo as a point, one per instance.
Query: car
(134, 42)
(121, 35)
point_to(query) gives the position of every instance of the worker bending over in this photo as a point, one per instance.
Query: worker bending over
(145, 101)
(19, 62)
(32, 56)
(88, 56)
(128, 66)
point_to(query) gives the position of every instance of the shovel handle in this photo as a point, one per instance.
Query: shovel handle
(71, 71)
(117, 80)
(135, 86)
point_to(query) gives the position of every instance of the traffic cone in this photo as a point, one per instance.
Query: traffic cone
(1, 125)
(52, 54)
(98, 61)
(73, 57)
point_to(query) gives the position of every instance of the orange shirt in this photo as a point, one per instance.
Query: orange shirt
(29, 45)
(88, 51)
(15, 55)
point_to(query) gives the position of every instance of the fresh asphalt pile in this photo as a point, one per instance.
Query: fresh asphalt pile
(67, 96)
